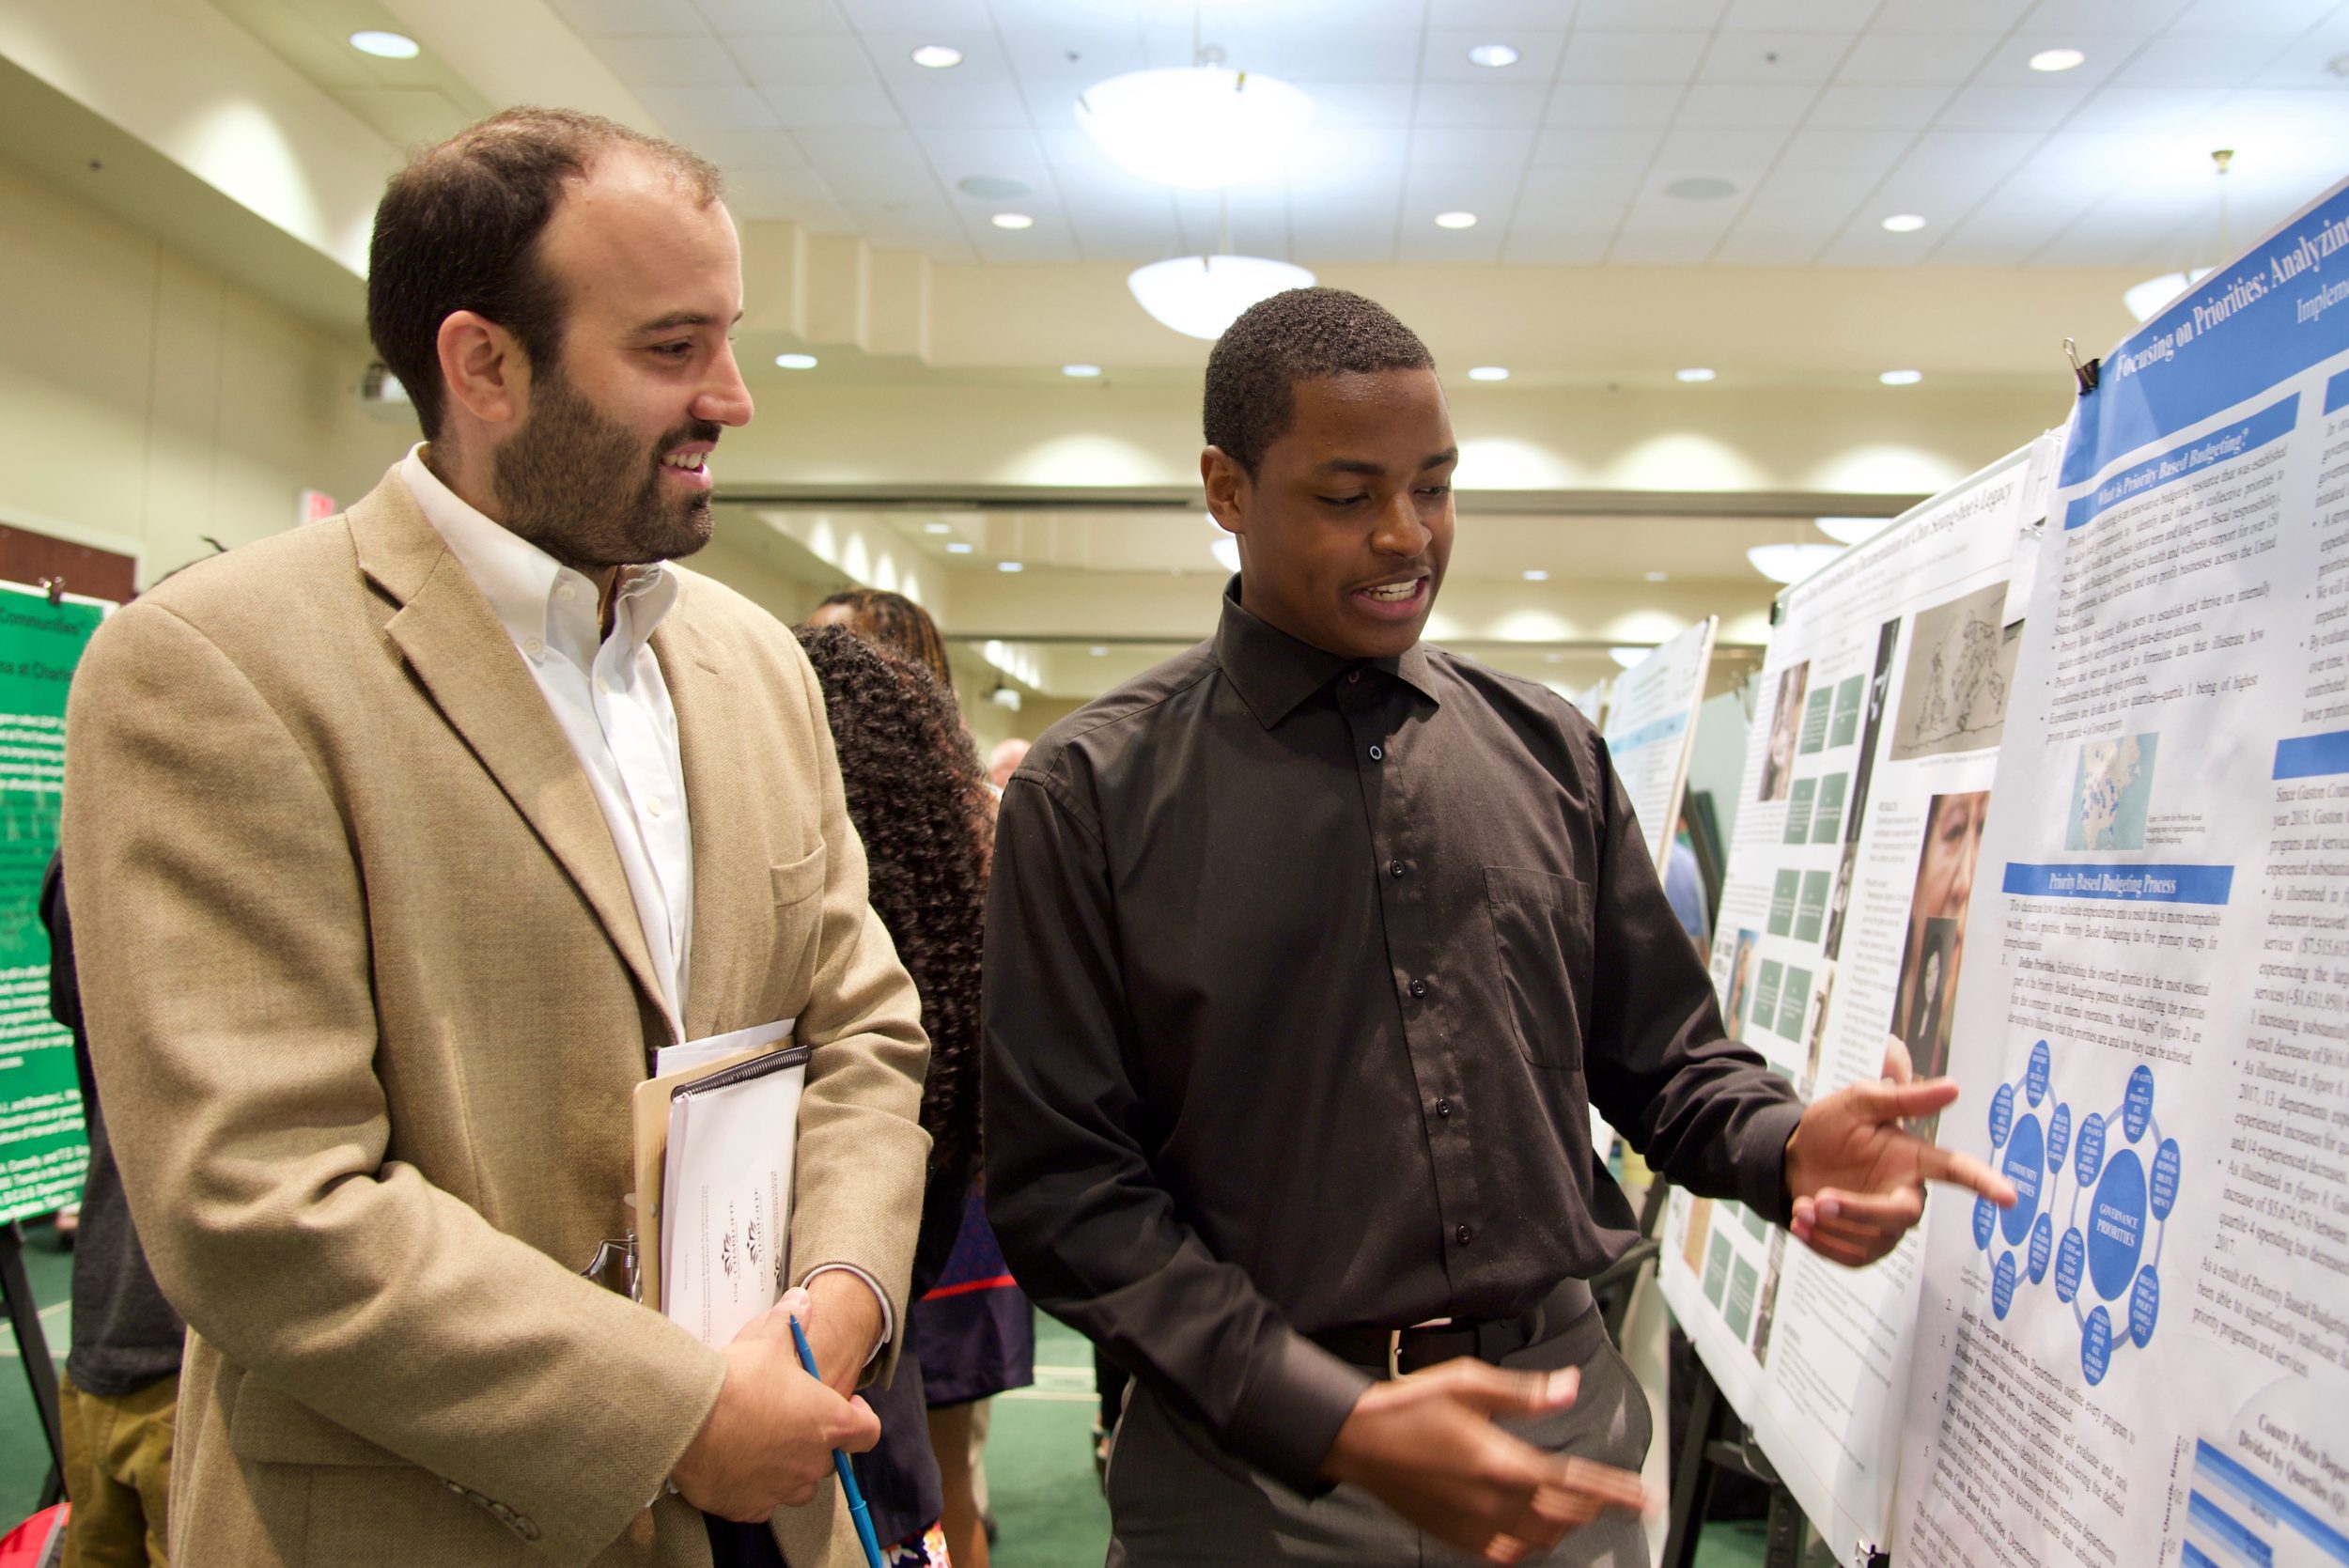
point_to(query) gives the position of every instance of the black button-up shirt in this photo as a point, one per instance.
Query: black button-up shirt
(1302, 974)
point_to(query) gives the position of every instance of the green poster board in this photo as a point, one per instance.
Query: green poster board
(43, 1151)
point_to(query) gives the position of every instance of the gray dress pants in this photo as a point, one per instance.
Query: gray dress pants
(1176, 1500)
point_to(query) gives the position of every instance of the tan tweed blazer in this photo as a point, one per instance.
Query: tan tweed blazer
(367, 995)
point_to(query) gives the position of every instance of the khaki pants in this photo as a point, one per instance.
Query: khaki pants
(117, 1472)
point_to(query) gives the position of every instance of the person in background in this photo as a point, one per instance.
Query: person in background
(121, 1382)
(973, 1331)
(399, 843)
(1005, 760)
(914, 791)
(1683, 886)
(1309, 954)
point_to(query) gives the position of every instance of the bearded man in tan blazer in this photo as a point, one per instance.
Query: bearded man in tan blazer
(398, 843)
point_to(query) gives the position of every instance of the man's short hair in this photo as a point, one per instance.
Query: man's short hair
(457, 229)
(1299, 336)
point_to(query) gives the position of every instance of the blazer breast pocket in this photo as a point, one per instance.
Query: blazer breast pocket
(797, 879)
(1542, 949)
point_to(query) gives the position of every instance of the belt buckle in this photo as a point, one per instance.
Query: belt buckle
(1394, 1353)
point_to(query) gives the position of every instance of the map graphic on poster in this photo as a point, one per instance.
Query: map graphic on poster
(2147, 1361)
(42, 1153)
(1842, 926)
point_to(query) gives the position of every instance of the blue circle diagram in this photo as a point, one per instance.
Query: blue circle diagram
(2126, 1182)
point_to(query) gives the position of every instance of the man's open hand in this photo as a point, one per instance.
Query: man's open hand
(1426, 1447)
(768, 1442)
(1857, 1176)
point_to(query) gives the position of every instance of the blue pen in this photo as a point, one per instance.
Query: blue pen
(857, 1511)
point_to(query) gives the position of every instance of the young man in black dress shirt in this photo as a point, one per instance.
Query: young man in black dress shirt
(1307, 955)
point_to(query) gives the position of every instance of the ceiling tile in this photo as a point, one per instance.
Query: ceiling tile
(1989, 108)
(1846, 149)
(1438, 247)
(893, 15)
(1810, 191)
(1574, 190)
(1746, 246)
(1986, 151)
(1661, 250)
(945, 105)
(1941, 197)
(1008, 153)
(1775, 59)
(805, 107)
(983, 59)
(1661, 16)
(1350, 54)
(676, 61)
(1556, 250)
(1725, 151)
(1330, 159)
(1931, 59)
(1816, 16)
(1455, 146)
(682, 110)
(1655, 210)
(1569, 148)
(1498, 14)
(1446, 55)
(2204, 60)
(2009, 64)
(1601, 219)
(1042, 58)
(748, 17)
(1949, 16)
(1847, 107)
(2239, 18)
(736, 151)
(1477, 190)
(1458, 104)
(1341, 106)
(604, 18)
(856, 152)
(2142, 110)
(1610, 108)
(2142, 17)
(776, 193)
(1729, 106)
(804, 60)
(1616, 59)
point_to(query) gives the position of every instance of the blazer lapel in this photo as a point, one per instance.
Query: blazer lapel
(452, 639)
(733, 889)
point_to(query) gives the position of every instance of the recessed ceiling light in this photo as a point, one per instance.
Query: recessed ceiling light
(936, 56)
(936, 528)
(796, 361)
(1081, 372)
(1791, 563)
(1493, 55)
(1702, 187)
(1901, 378)
(1553, 658)
(961, 547)
(1455, 219)
(1659, 577)
(1012, 219)
(384, 45)
(1098, 652)
(1009, 566)
(1630, 656)
(1852, 531)
(1694, 373)
(1537, 575)
(1488, 373)
(1904, 222)
(2057, 60)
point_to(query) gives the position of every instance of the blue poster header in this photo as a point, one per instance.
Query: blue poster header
(2134, 884)
(2312, 756)
(1671, 724)
(2245, 327)
(2218, 446)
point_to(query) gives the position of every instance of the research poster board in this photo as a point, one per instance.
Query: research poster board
(2146, 1360)
(1590, 702)
(44, 1152)
(1842, 927)
(1652, 725)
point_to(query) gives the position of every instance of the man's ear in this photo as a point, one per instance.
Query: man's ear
(1228, 486)
(484, 367)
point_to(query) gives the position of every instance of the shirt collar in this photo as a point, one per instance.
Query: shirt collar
(1274, 671)
(521, 582)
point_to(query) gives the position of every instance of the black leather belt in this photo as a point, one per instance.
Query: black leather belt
(1392, 1351)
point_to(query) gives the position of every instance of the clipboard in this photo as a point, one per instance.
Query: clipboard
(648, 1108)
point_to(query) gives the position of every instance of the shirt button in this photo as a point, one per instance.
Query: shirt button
(1377, 753)
(1462, 1235)
(1419, 987)
(566, 593)
(1353, 675)
(1394, 869)
(652, 807)
(1443, 1108)
(532, 646)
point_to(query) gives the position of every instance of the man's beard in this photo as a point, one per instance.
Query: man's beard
(585, 490)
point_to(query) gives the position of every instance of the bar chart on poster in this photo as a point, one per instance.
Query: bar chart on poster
(1842, 930)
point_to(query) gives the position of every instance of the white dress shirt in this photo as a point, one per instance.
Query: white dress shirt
(612, 704)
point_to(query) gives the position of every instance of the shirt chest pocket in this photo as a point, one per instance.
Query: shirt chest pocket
(1542, 947)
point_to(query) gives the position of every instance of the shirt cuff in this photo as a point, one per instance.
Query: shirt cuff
(1764, 1172)
(1289, 1418)
(889, 1317)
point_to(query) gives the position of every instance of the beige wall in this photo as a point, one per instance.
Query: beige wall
(145, 401)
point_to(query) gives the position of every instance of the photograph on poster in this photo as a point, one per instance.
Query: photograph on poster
(1740, 981)
(1778, 766)
(1960, 664)
(1936, 929)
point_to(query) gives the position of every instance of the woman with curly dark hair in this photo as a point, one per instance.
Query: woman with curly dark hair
(916, 794)
(893, 621)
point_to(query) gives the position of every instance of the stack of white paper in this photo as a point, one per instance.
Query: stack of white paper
(726, 1193)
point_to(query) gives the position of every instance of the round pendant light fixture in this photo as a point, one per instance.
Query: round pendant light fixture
(1198, 126)
(1200, 295)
